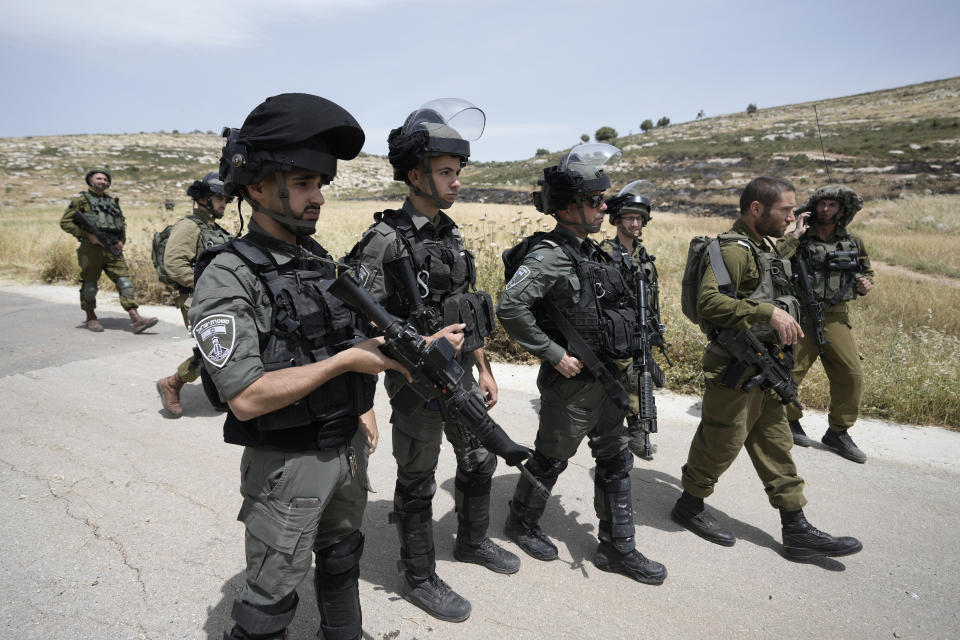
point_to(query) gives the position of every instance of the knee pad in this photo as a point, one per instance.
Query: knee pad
(546, 468)
(338, 565)
(615, 468)
(261, 622)
(88, 292)
(125, 287)
(479, 471)
(420, 487)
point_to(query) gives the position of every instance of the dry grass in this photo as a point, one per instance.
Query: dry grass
(908, 331)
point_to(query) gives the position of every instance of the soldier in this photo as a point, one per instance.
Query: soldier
(286, 356)
(630, 211)
(839, 269)
(188, 239)
(754, 420)
(568, 304)
(101, 216)
(414, 261)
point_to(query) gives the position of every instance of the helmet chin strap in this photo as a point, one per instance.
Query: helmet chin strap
(433, 196)
(209, 207)
(583, 225)
(285, 219)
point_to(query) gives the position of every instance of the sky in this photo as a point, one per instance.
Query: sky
(544, 72)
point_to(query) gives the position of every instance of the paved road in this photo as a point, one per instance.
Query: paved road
(118, 523)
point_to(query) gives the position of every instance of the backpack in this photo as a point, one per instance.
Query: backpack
(159, 245)
(513, 257)
(700, 247)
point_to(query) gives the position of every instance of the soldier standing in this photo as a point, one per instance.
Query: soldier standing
(98, 223)
(839, 269)
(188, 238)
(755, 419)
(287, 357)
(568, 304)
(413, 260)
(630, 211)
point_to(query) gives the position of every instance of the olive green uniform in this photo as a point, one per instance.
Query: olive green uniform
(105, 214)
(295, 502)
(571, 409)
(841, 357)
(188, 239)
(732, 418)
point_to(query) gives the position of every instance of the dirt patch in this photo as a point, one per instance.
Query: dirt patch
(915, 275)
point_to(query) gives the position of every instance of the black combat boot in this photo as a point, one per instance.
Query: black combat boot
(262, 623)
(802, 541)
(842, 443)
(800, 438)
(632, 564)
(528, 506)
(472, 498)
(690, 512)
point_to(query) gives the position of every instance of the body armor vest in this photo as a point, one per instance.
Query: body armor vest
(211, 235)
(446, 277)
(834, 266)
(105, 214)
(773, 286)
(605, 314)
(628, 265)
(308, 325)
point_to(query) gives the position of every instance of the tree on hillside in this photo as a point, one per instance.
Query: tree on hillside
(663, 122)
(646, 125)
(751, 108)
(605, 133)
(585, 137)
(542, 152)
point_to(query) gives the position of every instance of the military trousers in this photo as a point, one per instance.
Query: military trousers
(732, 419)
(189, 369)
(841, 363)
(95, 260)
(294, 503)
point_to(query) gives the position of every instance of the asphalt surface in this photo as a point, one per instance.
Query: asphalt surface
(119, 523)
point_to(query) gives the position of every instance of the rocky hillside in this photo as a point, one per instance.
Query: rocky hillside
(884, 143)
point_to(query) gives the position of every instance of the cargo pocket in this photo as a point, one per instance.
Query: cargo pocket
(280, 526)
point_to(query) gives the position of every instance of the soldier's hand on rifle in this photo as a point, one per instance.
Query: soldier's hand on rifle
(452, 332)
(788, 328)
(119, 245)
(94, 240)
(366, 357)
(802, 225)
(568, 366)
(864, 286)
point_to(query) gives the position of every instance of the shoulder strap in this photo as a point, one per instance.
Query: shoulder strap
(725, 284)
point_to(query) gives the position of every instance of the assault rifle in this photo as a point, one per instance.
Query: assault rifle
(424, 318)
(772, 363)
(650, 373)
(811, 309)
(436, 376)
(84, 223)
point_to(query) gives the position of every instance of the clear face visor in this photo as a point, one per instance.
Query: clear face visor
(588, 159)
(446, 118)
(638, 195)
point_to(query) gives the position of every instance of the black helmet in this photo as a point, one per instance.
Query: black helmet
(637, 197)
(288, 132)
(579, 172)
(202, 190)
(94, 171)
(442, 127)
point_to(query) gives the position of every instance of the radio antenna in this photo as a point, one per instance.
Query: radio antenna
(822, 150)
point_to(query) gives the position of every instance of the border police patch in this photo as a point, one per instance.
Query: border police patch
(216, 336)
(519, 276)
(362, 275)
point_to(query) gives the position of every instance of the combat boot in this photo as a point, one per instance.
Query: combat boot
(842, 443)
(632, 564)
(530, 538)
(690, 512)
(93, 325)
(800, 438)
(435, 596)
(140, 323)
(169, 390)
(801, 540)
(487, 553)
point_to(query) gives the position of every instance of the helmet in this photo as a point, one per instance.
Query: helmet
(850, 202)
(202, 190)
(442, 127)
(637, 197)
(580, 172)
(284, 133)
(91, 173)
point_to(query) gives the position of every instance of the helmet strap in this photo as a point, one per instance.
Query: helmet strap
(284, 218)
(433, 196)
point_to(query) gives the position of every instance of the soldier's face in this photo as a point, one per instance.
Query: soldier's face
(305, 196)
(219, 203)
(585, 213)
(827, 210)
(630, 225)
(99, 182)
(774, 221)
(445, 172)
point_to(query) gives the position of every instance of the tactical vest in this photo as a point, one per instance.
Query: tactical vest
(773, 286)
(623, 259)
(105, 214)
(604, 315)
(446, 277)
(211, 235)
(308, 325)
(833, 266)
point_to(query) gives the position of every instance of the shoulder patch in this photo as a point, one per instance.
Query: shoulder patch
(522, 272)
(744, 243)
(216, 336)
(536, 256)
(362, 275)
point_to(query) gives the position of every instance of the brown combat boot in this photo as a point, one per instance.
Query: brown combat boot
(93, 325)
(169, 390)
(139, 322)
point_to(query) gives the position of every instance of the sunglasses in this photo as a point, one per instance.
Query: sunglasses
(594, 201)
